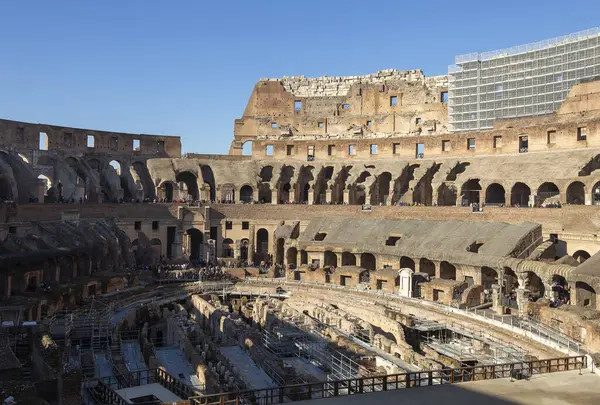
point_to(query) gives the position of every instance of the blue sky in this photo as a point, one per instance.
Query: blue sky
(187, 67)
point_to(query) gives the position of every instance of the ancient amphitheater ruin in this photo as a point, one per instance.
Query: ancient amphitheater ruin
(387, 231)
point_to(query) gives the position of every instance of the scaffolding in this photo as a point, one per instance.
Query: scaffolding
(525, 80)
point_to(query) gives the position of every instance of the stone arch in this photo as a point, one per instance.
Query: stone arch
(247, 148)
(246, 194)
(489, 277)
(427, 266)
(191, 184)
(330, 259)
(95, 164)
(168, 190)
(227, 192)
(382, 189)
(264, 187)
(142, 179)
(195, 244)
(368, 261)
(520, 194)
(470, 191)
(321, 184)
(284, 184)
(547, 192)
(209, 178)
(279, 251)
(447, 271)
(47, 183)
(581, 256)
(227, 248)
(291, 257)
(284, 193)
(262, 244)
(423, 191)
(348, 259)
(576, 193)
(115, 164)
(360, 188)
(585, 294)
(596, 194)
(446, 195)
(495, 195)
(535, 285)
(407, 263)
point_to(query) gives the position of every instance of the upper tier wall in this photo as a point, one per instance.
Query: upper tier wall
(388, 101)
(25, 137)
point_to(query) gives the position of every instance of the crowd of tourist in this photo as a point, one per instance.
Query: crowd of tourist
(207, 273)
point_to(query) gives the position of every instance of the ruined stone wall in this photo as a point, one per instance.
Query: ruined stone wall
(387, 101)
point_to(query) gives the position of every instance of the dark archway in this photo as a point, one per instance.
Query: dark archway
(489, 277)
(520, 194)
(581, 256)
(279, 251)
(427, 266)
(368, 261)
(262, 244)
(292, 257)
(191, 183)
(348, 259)
(470, 192)
(383, 189)
(246, 194)
(446, 195)
(495, 195)
(596, 194)
(576, 193)
(209, 178)
(547, 191)
(168, 191)
(227, 248)
(447, 271)
(586, 295)
(196, 244)
(535, 285)
(330, 259)
(284, 193)
(407, 263)
(305, 193)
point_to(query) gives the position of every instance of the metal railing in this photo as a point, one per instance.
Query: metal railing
(363, 385)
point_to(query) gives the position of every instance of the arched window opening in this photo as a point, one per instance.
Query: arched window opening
(470, 192)
(43, 141)
(247, 148)
(117, 166)
(586, 295)
(262, 244)
(246, 194)
(407, 263)
(581, 256)
(190, 182)
(548, 193)
(227, 248)
(495, 195)
(292, 257)
(330, 259)
(576, 193)
(348, 259)
(367, 261)
(447, 271)
(427, 266)
(520, 194)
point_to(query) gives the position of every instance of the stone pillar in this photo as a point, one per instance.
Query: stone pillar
(507, 197)
(532, 198)
(237, 250)
(573, 292)
(346, 196)
(178, 243)
(406, 284)
(357, 256)
(339, 258)
(275, 196)
(437, 269)
(251, 242)
(311, 196)
(522, 300)
(390, 197)
(481, 196)
(292, 193)
(497, 299)
(328, 195)
(548, 293)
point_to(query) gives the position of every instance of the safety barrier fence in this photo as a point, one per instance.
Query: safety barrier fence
(363, 385)
(528, 326)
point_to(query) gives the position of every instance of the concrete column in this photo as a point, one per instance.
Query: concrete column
(275, 196)
(311, 196)
(346, 196)
(292, 194)
(507, 197)
(532, 198)
(328, 195)
(497, 299)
